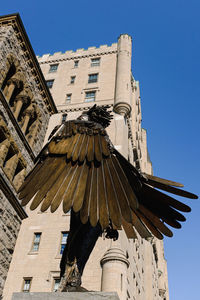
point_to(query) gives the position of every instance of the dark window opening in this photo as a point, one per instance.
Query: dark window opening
(92, 78)
(50, 83)
(63, 241)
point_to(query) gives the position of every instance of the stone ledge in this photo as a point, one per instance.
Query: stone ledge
(66, 296)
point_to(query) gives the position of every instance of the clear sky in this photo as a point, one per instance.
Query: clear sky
(166, 61)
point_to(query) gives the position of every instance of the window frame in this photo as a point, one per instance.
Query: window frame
(54, 284)
(95, 77)
(68, 100)
(50, 80)
(89, 99)
(64, 117)
(61, 242)
(95, 64)
(51, 69)
(24, 283)
(76, 63)
(72, 79)
(36, 243)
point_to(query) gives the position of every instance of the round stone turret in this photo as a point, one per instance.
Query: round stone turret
(122, 104)
(114, 271)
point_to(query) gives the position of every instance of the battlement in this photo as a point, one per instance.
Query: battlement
(70, 54)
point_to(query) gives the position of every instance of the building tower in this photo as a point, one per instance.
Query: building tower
(77, 80)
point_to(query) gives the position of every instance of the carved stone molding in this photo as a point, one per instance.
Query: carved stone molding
(122, 108)
(114, 254)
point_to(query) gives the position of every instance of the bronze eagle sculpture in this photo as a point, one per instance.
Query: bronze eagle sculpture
(80, 168)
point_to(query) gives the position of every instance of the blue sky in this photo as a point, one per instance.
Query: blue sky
(166, 50)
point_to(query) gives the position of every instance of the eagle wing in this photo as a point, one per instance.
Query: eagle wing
(81, 169)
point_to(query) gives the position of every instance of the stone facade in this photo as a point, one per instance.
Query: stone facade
(135, 269)
(10, 224)
(25, 109)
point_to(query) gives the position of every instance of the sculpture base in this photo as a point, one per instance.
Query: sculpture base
(66, 296)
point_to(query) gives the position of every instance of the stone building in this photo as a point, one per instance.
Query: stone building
(25, 108)
(136, 269)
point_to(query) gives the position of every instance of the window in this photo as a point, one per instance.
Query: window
(56, 284)
(76, 63)
(90, 96)
(64, 117)
(95, 62)
(92, 78)
(53, 68)
(63, 241)
(72, 79)
(68, 98)
(36, 241)
(26, 285)
(50, 83)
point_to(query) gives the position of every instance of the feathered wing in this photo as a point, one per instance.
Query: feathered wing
(83, 171)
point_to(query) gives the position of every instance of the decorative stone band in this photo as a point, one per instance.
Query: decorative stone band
(122, 108)
(84, 108)
(114, 254)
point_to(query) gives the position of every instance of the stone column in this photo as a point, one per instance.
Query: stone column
(11, 165)
(34, 131)
(122, 102)
(13, 83)
(19, 178)
(4, 146)
(29, 112)
(114, 272)
(20, 100)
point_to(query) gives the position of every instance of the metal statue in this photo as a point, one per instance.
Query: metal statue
(80, 168)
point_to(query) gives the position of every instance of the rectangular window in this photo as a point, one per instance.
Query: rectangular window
(92, 78)
(26, 285)
(53, 68)
(64, 118)
(68, 98)
(50, 83)
(95, 62)
(56, 284)
(90, 96)
(36, 241)
(63, 241)
(76, 63)
(72, 79)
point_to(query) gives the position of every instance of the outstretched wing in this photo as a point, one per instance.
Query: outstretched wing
(80, 169)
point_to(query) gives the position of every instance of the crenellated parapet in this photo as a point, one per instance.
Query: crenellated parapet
(78, 54)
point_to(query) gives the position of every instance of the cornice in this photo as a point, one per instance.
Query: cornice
(15, 21)
(57, 60)
(83, 108)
